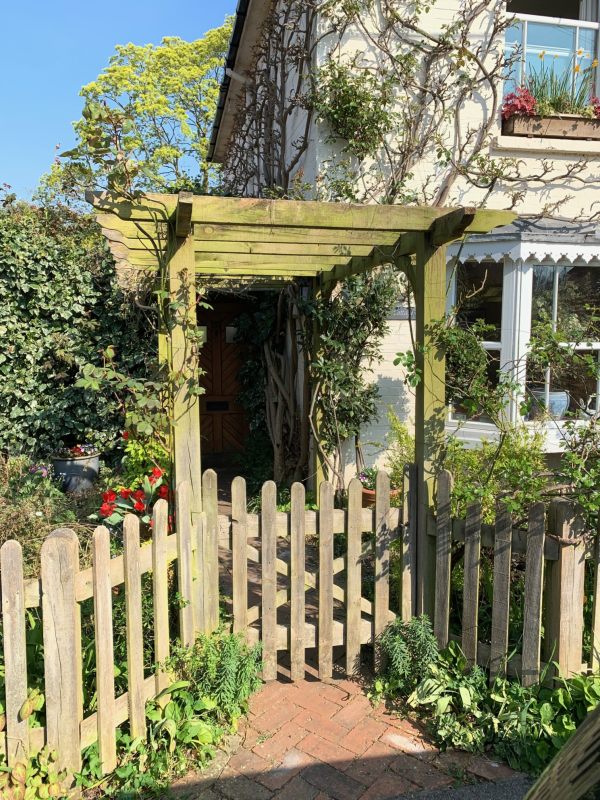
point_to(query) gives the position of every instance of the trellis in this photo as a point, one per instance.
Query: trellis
(270, 242)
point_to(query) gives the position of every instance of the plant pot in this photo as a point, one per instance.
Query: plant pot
(77, 474)
(566, 126)
(558, 403)
(368, 496)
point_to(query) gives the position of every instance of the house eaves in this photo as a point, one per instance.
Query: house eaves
(249, 19)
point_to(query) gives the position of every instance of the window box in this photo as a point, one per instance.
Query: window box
(567, 126)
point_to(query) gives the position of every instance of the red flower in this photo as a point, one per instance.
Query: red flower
(110, 496)
(139, 506)
(125, 435)
(106, 509)
(139, 494)
(125, 494)
(520, 101)
(155, 475)
(163, 491)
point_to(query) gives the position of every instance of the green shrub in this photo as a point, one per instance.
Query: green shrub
(526, 726)
(408, 650)
(222, 668)
(61, 306)
(512, 470)
(185, 723)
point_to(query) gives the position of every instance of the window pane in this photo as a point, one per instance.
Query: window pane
(541, 304)
(493, 374)
(578, 302)
(479, 294)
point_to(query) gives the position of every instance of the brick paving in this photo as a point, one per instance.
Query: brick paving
(324, 741)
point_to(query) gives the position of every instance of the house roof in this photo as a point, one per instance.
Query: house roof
(249, 18)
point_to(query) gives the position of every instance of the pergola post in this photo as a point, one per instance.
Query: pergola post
(185, 420)
(429, 288)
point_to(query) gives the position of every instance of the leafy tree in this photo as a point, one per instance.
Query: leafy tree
(147, 118)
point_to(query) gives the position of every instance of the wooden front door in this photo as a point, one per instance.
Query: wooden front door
(222, 420)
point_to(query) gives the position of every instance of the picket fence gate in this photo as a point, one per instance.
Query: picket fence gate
(195, 550)
(216, 547)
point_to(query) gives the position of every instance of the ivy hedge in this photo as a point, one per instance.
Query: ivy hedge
(61, 307)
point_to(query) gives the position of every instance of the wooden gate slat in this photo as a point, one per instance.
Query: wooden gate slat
(501, 592)
(471, 583)
(62, 676)
(239, 555)
(382, 562)
(409, 542)
(15, 651)
(353, 577)
(134, 629)
(184, 564)
(595, 648)
(160, 587)
(534, 579)
(269, 579)
(211, 549)
(325, 580)
(297, 610)
(443, 559)
(105, 658)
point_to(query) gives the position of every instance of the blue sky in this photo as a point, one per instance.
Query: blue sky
(51, 49)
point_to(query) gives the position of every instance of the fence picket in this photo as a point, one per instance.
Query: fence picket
(15, 651)
(325, 580)
(135, 634)
(501, 591)
(595, 648)
(534, 581)
(564, 630)
(269, 579)
(105, 662)
(353, 576)
(297, 583)
(184, 564)
(211, 549)
(239, 544)
(443, 559)
(382, 562)
(62, 676)
(409, 541)
(160, 589)
(471, 583)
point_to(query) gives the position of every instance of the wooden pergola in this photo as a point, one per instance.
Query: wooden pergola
(268, 242)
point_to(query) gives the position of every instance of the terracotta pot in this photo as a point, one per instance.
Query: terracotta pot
(566, 126)
(368, 496)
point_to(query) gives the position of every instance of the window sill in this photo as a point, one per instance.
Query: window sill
(540, 144)
(472, 433)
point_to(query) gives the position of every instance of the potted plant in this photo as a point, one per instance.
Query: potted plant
(554, 104)
(77, 467)
(368, 478)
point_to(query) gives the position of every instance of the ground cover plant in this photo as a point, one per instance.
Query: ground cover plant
(526, 726)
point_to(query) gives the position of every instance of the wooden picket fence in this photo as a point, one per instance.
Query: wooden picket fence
(296, 580)
(195, 551)
(555, 554)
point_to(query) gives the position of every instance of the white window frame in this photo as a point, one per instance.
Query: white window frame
(515, 335)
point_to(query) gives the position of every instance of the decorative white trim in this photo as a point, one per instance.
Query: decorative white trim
(513, 249)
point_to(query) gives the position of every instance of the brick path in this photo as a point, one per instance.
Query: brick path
(324, 741)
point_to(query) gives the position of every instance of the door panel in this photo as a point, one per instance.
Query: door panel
(223, 422)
